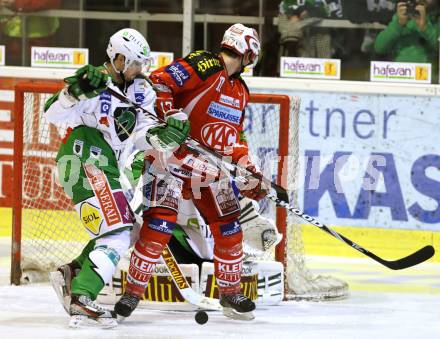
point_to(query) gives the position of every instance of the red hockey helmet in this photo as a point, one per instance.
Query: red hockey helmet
(241, 39)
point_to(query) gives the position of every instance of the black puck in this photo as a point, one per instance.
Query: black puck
(201, 317)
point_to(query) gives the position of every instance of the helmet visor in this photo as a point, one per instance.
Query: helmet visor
(136, 66)
(253, 60)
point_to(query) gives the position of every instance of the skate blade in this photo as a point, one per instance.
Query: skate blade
(233, 314)
(59, 286)
(83, 321)
(120, 318)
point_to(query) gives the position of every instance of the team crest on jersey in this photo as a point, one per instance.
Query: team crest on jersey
(219, 135)
(178, 72)
(125, 121)
(78, 147)
(95, 152)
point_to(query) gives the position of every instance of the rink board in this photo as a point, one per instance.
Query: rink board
(388, 238)
(388, 243)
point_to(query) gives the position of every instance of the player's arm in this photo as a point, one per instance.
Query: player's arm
(67, 104)
(151, 134)
(250, 187)
(177, 78)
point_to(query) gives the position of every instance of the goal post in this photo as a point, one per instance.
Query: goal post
(284, 102)
(47, 232)
(18, 120)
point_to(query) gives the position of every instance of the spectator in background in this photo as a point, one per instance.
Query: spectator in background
(296, 24)
(39, 29)
(412, 34)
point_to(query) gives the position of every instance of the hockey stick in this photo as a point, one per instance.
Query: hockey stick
(282, 199)
(413, 259)
(184, 288)
(181, 283)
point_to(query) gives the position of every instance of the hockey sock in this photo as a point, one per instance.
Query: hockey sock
(96, 271)
(79, 261)
(228, 256)
(154, 235)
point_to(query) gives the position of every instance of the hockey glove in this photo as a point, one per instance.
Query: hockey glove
(87, 82)
(252, 186)
(169, 137)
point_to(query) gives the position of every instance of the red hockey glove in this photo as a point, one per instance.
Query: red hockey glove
(250, 186)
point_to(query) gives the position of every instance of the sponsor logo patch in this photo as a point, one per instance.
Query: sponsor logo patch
(91, 217)
(139, 97)
(105, 96)
(162, 226)
(105, 99)
(230, 229)
(105, 107)
(178, 72)
(168, 193)
(204, 63)
(224, 113)
(102, 191)
(225, 99)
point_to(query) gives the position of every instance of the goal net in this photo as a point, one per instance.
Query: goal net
(47, 232)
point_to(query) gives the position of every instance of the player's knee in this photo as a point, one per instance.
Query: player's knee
(227, 250)
(105, 260)
(156, 230)
(151, 247)
(160, 213)
(227, 235)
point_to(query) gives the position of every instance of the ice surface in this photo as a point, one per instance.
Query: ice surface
(34, 312)
(383, 304)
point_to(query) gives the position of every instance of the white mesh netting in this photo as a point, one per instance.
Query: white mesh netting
(262, 127)
(52, 233)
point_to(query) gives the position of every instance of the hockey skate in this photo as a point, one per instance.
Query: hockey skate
(126, 305)
(61, 281)
(237, 306)
(84, 312)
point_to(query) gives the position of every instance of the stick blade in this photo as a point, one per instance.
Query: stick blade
(413, 259)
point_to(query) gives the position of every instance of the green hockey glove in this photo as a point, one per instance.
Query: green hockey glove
(170, 136)
(87, 82)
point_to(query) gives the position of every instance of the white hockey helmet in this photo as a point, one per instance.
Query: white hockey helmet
(241, 39)
(133, 46)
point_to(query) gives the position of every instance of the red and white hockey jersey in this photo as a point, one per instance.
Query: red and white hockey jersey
(214, 102)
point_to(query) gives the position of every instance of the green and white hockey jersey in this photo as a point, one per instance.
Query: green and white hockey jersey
(89, 158)
(119, 123)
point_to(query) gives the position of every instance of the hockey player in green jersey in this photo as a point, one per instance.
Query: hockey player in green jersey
(100, 127)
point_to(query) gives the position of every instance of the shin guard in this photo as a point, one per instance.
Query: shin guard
(154, 235)
(228, 256)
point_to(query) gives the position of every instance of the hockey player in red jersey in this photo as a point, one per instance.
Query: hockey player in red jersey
(205, 88)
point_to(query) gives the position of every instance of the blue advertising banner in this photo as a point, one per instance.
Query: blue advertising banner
(370, 160)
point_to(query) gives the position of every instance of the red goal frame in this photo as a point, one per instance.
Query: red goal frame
(51, 87)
